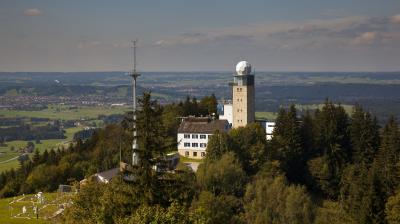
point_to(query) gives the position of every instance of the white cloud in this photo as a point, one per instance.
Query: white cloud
(396, 19)
(32, 12)
(366, 38)
(305, 35)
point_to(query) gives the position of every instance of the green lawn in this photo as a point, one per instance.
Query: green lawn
(8, 211)
(183, 159)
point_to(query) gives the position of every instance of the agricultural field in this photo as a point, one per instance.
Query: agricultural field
(301, 108)
(65, 113)
(8, 157)
(10, 152)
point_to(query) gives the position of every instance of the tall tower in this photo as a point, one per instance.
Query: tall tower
(134, 74)
(243, 95)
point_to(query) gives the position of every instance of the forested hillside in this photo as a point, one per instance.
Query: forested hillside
(320, 167)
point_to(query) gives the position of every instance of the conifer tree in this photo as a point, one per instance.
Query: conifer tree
(287, 144)
(364, 135)
(388, 157)
(36, 158)
(332, 142)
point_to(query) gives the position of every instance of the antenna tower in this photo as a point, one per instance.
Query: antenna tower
(134, 74)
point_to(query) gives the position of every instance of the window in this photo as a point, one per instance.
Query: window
(186, 144)
(203, 154)
(195, 136)
(186, 136)
(195, 144)
(194, 154)
(186, 153)
(203, 145)
(203, 136)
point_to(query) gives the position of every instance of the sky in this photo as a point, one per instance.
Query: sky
(206, 35)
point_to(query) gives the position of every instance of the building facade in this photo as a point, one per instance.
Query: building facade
(194, 133)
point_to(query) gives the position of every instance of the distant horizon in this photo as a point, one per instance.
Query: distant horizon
(208, 71)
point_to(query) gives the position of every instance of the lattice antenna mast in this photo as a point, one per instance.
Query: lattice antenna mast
(134, 74)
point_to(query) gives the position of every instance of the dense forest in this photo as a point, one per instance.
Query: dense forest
(320, 167)
(29, 132)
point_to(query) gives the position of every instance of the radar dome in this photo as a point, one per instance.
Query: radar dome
(243, 68)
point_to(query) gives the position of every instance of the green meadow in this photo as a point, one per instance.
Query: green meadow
(53, 112)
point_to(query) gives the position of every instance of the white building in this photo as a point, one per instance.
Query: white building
(194, 133)
(226, 113)
(269, 128)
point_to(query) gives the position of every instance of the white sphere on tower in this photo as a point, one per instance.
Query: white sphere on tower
(243, 68)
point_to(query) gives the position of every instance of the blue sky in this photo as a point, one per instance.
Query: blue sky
(296, 35)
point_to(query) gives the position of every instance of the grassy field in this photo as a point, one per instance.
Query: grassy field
(6, 153)
(11, 213)
(305, 107)
(64, 113)
(300, 107)
(266, 115)
(53, 112)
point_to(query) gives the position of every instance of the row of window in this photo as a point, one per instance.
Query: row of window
(239, 89)
(195, 136)
(195, 154)
(195, 144)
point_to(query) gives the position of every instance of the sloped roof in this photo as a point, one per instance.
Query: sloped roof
(202, 125)
(108, 174)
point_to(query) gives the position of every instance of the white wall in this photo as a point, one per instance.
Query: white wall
(228, 113)
(269, 128)
(190, 149)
